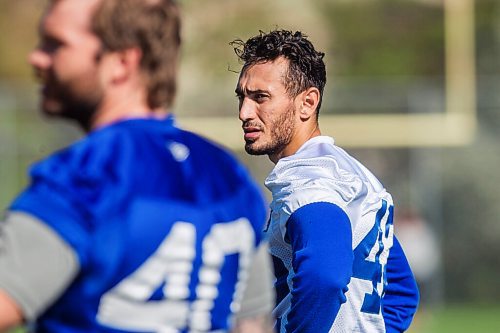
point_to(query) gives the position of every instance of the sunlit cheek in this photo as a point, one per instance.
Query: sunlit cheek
(268, 117)
(66, 67)
(91, 83)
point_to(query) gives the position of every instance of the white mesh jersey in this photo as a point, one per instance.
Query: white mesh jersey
(322, 172)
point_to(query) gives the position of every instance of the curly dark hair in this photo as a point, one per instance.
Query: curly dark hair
(306, 67)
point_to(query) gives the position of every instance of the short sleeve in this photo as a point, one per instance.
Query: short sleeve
(35, 264)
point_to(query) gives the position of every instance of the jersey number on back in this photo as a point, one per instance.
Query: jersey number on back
(369, 264)
(128, 306)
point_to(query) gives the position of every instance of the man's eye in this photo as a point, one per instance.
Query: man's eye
(50, 45)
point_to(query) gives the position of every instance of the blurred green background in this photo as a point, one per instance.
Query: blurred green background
(383, 57)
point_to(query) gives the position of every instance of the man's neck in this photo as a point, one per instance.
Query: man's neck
(295, 144)
(118, 108)
(108, 118)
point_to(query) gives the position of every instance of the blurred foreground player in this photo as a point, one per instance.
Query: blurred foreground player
(140, 226)
(338, 266)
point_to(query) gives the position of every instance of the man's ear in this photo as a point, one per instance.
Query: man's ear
(308, 103)
(123, 64)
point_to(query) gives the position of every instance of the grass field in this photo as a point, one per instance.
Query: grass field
(449, 319)
(458, 319)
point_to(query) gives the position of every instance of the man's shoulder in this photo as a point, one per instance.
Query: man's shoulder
(129, 143)
(324, 172)
(85, 158)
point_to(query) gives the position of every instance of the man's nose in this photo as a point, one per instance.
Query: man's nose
(247, 109)
(39, 59)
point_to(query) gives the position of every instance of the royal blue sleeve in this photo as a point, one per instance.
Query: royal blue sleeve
(401, 296)
(321, 238)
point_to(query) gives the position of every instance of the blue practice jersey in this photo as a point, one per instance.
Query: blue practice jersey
(164, 225)
(338, 266)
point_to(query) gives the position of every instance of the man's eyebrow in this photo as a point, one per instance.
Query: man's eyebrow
(240, 91)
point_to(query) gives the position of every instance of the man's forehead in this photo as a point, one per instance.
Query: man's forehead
(76, 8)
(261, 76)
(69, 14)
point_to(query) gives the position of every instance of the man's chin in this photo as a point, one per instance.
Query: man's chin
(252, 150)
(51, 108)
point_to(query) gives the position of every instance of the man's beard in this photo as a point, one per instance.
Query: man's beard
(61, 100)
(282, 129)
